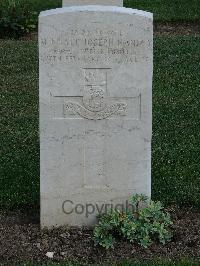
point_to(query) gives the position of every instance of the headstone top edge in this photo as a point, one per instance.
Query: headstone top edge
(94, 8)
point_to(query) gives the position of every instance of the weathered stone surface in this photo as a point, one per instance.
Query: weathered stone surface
(92, 2)
(95, 110)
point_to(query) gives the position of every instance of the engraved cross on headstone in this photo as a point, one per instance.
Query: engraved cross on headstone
(96, 103)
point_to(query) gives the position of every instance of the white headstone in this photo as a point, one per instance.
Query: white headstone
(96, 65)
(92, 2)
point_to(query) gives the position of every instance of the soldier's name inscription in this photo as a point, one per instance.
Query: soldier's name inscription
(87, 46)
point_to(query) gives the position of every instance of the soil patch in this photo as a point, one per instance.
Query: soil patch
(177, 28)
(22, 240)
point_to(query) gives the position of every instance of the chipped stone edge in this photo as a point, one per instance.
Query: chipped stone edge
(96, 8)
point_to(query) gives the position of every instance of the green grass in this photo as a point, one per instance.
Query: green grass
(164, 10)
(39, 5)
(168, 10)
(19, 139)
(19, 17)
(176, 119)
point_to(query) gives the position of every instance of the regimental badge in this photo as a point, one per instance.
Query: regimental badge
(95, 101)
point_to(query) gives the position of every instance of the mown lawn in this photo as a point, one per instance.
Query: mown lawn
(164, 10)
(176, 119)
(167, 10)
(17, 18)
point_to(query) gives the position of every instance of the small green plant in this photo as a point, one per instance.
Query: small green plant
(142, 225)
(17, 18)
